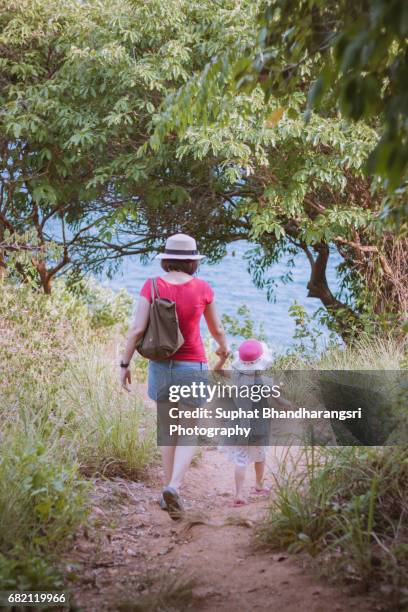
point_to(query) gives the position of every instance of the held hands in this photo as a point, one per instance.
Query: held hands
(220, 363)
(223, 353)
(125, 379)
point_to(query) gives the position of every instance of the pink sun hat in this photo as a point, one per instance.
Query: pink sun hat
(253, 355)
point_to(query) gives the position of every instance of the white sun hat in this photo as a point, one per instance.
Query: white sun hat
(252, 355)
(180, 246)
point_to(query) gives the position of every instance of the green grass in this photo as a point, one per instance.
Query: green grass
(348, 506)
(62, 417)
(42, 502)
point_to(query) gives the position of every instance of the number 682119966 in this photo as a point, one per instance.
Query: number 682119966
(37, 597)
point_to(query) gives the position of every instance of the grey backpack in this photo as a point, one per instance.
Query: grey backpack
(162, 337)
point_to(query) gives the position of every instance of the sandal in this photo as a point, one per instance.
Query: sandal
(263, 491)
(239, 503)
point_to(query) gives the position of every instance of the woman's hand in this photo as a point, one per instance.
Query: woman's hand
(125, 379)
(223, 351)
(220, 363)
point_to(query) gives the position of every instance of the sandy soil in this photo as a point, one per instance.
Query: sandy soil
(133, 546)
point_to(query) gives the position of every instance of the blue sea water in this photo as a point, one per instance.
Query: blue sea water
(233, 287)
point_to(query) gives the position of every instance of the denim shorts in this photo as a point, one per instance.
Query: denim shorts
(163, 374)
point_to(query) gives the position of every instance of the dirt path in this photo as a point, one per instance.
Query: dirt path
(134, 550)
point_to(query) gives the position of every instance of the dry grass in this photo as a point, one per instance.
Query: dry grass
(113, 432)
(161, 591)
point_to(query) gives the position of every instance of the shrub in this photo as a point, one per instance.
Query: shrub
(41, 496)
(105, 307)
(348, 505)
(61, 410)
(42, 501)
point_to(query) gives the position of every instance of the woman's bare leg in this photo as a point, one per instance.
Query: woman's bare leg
(182, 459)
(167, 454)
(183, 454)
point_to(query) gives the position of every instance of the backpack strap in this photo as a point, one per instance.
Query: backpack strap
(155, 291)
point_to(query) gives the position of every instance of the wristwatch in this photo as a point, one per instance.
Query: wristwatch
(124, 365)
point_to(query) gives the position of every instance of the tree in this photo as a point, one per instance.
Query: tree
(347, 55)
(79, 86)
(316, 192)
(114, 127)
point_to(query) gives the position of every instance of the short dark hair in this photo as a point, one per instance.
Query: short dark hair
(189, 266)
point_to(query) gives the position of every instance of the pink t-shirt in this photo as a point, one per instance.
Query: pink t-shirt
(191, 298)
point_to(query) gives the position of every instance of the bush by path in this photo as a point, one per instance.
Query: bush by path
(348, 508)
(62, 417)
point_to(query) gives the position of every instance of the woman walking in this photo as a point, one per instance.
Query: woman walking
(193, 298)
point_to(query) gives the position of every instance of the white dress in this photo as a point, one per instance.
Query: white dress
(245, 454)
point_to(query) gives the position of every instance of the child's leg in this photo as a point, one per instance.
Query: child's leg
(239, 482)
(259, 474)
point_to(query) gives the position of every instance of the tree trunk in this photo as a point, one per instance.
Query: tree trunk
(45, 276)
(345, 318)
(3, 267)
(46, 283)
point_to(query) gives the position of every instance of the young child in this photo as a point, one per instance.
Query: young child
(252, 359)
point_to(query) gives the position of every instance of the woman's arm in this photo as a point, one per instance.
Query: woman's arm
(135, 333)
(219, 365)
(216, 330)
